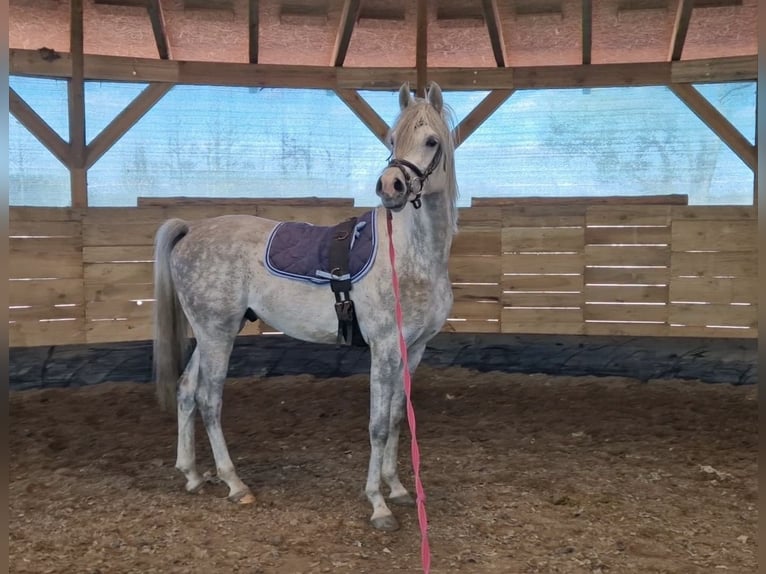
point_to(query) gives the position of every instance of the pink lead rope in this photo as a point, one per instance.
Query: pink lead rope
(425, 553)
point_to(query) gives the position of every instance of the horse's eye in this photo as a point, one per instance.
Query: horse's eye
(432, 142)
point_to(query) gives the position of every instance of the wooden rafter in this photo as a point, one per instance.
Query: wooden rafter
(587, 30)
(124, 121)
(364, 112)
(680, 27)
(38, 127)
(421, 48)
(123, 69)
(154, 7)
(253, 24)
(705, 111)
(495, 30)
(479, 114)
(76, 98)
(348, 20)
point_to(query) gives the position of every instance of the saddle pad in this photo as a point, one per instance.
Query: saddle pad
(301, 251)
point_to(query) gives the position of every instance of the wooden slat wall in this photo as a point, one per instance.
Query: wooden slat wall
(85, 276)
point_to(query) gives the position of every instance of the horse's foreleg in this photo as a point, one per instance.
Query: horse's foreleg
(187, 408)
(399, 494)
(384, 367)
(214, 361)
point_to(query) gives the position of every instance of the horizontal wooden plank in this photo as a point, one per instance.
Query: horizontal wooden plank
(625, 312)
(629, 215)
(544, 216)
(626, 276)
(514, 316)
(626, 294)
(619, 200)
(118, 253)
(112, 234)
(53, 229)
(480, 217)
(738, 264)
(712, 332)
(118, 291)
(627, 235)
(246, 201)
(715, 212)
(473, 310)
(713, 315)
(543, 263)
(626, 329)
(117, 331)
(113, 309)
(46, 292)
(34, 333)
(521, 239)
(323, 216)
(720, 236)
(474, 269)
(18, 214)
(715, 290)
(545, 326)
(45, 312)
(476, 241)
(459, 326)
(541, 299)
(58, 258)
(102, 273)
(542, 282)
(626, 256)
(465, 292)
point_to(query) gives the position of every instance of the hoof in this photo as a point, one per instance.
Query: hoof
(402, 500)
(197, 488)
(245, 497)
(386, 523)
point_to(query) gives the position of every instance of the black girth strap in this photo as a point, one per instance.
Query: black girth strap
(348, 327)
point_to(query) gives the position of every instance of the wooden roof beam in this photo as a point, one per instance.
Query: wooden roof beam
(495, 31)
(38, 127)
(76, 102)
(421, 48)
(364, 112)
(587, 30)
(348, 19)
(705, 111)
(123, 69)
(680, 27)
(126, 119)
(154, 7)
(479, 115)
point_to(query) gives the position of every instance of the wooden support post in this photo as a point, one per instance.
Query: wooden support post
(364, 112)
(76, 88)
(479, 114)
(154, 7)
(680, 27)
(348, 20)
(587, 30)
(705, 111)
(421, 50)
(38, 127)
(252, 14)
(126, 119)
(495, 31)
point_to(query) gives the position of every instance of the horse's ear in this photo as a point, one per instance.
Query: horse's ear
(405, 96)
(434, 96)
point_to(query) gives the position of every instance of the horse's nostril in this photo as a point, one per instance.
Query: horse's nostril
(379, 186)
(398, 185)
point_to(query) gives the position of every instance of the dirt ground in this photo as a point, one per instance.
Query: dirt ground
(523, 473)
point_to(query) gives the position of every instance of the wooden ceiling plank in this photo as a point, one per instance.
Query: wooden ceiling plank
(253, 25)
(725, 130)
(126, 119)
(495, 31)
(116, 68)
(364, 112)
(38, 127)
(421, 51)
(348, 19)
(154, 7)
(76, 106)
(587, 31)
(680, 27)
(479, 115)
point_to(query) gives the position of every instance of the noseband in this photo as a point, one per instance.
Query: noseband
(420, 176)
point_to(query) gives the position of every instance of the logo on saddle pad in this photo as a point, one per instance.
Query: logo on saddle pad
(301, 251)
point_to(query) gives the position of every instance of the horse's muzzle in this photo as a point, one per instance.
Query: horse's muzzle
(392, 189)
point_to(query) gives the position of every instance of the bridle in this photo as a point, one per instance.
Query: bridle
(420, 176)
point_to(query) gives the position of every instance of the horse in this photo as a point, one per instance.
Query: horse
(210, 277)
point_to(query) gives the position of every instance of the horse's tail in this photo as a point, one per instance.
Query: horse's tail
(170, 322)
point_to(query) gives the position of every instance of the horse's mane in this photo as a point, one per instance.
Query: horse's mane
(443, 125)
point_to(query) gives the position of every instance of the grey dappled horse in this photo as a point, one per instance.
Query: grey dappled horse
(210, 272)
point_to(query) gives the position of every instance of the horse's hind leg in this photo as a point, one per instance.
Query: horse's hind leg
(187, 408)
(399, 494)
(214, 362)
